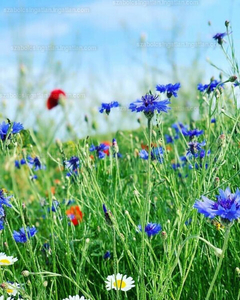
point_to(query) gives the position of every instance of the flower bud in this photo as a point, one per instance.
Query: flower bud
(218, 252)
(25, 273)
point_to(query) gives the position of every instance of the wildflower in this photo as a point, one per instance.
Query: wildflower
(156, 154)
(119, 282)
(1, 225)
(107, 107)
(106, 143)
(107, 215)
(100, 150)
(227, 205)
(77, 297)
(75, 214)
(4, 128)
(151, 228)
(33, 177)
(210, 87)
(53, 99)
(171, 89)
(219, 37)
(6, 260)
(107, 255)
(4, 200)
(55, 205)
(35, 163)
(11, 288)
(148, 104)
(73, 163)
(213, 120)
(19, 163)
(169, 139)
(192, 133)
(194, 147)
(22, 236)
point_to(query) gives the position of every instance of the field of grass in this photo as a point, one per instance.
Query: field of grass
(88, 207)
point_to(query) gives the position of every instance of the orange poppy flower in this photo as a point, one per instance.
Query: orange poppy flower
(75, 214)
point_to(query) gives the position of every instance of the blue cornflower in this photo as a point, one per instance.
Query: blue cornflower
(107, 255)
(2, 212)
(21, 236)
(180, 128)
(107, 107)
(156, 154)
(1, 225)
(151, 228)
(101, 150)
(55, 205)
(33, 177)
(169, 139)
(213, 120)
(148, 104)
(176, 166)
(171, 89)
(192, 133)
(210, 87)
(4, 200)
(17, 127)
(35, 163)
(19, 163)
(226, 207)
(4, 127)
(219, 37)
(107, 215)
(194, 147)
(73, 163)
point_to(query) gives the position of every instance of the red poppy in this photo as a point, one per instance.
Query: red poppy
(54, 97)
(106, 144)
(75, 214)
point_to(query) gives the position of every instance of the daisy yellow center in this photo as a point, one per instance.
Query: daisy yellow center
(120, 284)
(10, 291)
(5, 261)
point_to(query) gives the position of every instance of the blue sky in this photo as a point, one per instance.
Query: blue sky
(117, 66)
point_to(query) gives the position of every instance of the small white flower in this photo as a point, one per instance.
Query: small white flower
(75, 298)
(12, 288)
(6, 260)
(120, 282)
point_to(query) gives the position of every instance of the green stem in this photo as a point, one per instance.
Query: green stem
(145, 212)
(225, 244)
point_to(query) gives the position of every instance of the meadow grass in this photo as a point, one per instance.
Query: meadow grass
(177, 263)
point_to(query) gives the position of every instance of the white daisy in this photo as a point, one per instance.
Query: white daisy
(11, 288)
(120, 282)
(6, 260)
(75, 298)
(8, 298)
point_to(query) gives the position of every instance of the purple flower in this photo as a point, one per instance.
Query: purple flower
(21, 236)
(171, 89)
(226, 207)
(107, 107)
(151, 228)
